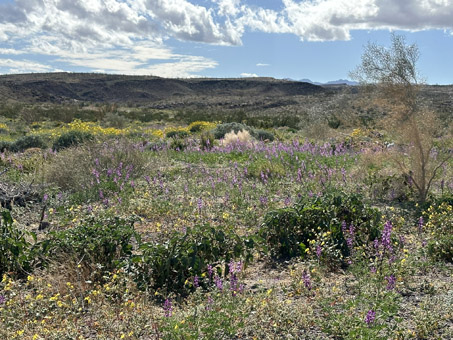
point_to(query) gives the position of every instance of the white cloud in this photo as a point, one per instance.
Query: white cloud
(249, 75)
(321, 20)
(262, 65)
(131, 36)
(24, 66)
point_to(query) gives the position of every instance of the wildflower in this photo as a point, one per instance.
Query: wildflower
(307, 280)
(318, 251)
(2, 299)
(210, 271)
(420, 224)
(196, 283)
(385, 240)
(391, 281)
(370, 317)
(210, 303)
(218, 282)
(168, 308)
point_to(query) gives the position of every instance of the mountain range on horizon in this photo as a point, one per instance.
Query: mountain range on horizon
(332, 82)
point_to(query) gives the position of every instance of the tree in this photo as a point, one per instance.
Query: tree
(393, 71)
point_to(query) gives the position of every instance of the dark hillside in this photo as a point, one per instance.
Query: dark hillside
(69, 87)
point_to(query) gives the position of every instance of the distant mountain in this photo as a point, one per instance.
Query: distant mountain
(333, 82)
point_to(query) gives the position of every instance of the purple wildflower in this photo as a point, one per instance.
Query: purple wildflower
(420, 224)
(210, 303)
(370, 317)
(196, 282)
(45, 197)
(307, 280)
(318, 251)
(168, 308)
(218, 282)
(385, 239)
(2, 299)
(391, 282)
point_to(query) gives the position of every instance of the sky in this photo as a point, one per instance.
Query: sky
(321, 40)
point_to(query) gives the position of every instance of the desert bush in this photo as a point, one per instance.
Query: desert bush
(334, 122)
(115, 120)
(201, 126)
(16, 256)
(222, 129)
(265, 168)
(394, 72)
(206, 140)
(177, 134)
(71, 138)
(26, 142)
(440, 231)
(178, 144)
(4, 145)
(288, 231)
(90, 167)
(263, 135)
(241, 137)
(101, 243)
(167, 265)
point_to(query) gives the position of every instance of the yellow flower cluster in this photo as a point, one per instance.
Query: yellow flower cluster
(198, 126)
(202, 125)
(4, 127)
(78, 125)
(440, 216)
(358, 133)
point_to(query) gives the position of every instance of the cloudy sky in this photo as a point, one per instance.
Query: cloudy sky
(317, 39)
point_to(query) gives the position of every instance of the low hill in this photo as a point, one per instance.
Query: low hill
(70, 87)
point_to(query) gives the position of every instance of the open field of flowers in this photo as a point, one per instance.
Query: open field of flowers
(220, 231)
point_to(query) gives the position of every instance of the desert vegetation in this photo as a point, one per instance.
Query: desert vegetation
(120, 222)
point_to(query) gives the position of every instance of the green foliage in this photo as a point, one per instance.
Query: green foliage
(169, 264)
(28, 142)
(287, 231)
(103, 243)
(4, 145)
(206, 141)
(71, 138)
(178, 144)
(197, 127)
(334, 122)
(263, 135)
(222, 129)
(440, 229)
(177, 134)
(15, 249)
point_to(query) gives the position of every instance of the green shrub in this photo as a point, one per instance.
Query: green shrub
(287, 231)
(178, 144)
(96, 243)
(15, 249)
(168, 265)
(334, 122)
(71, 138)
(206, 141)
(440, 231)
(4, 145)
(28, 142)
(222, 129)
(263, 135)
(177, 134)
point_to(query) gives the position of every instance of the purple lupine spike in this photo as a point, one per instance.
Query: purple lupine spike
(370, 317)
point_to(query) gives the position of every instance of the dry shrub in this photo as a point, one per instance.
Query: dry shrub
(241, 137)
(72, 168)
